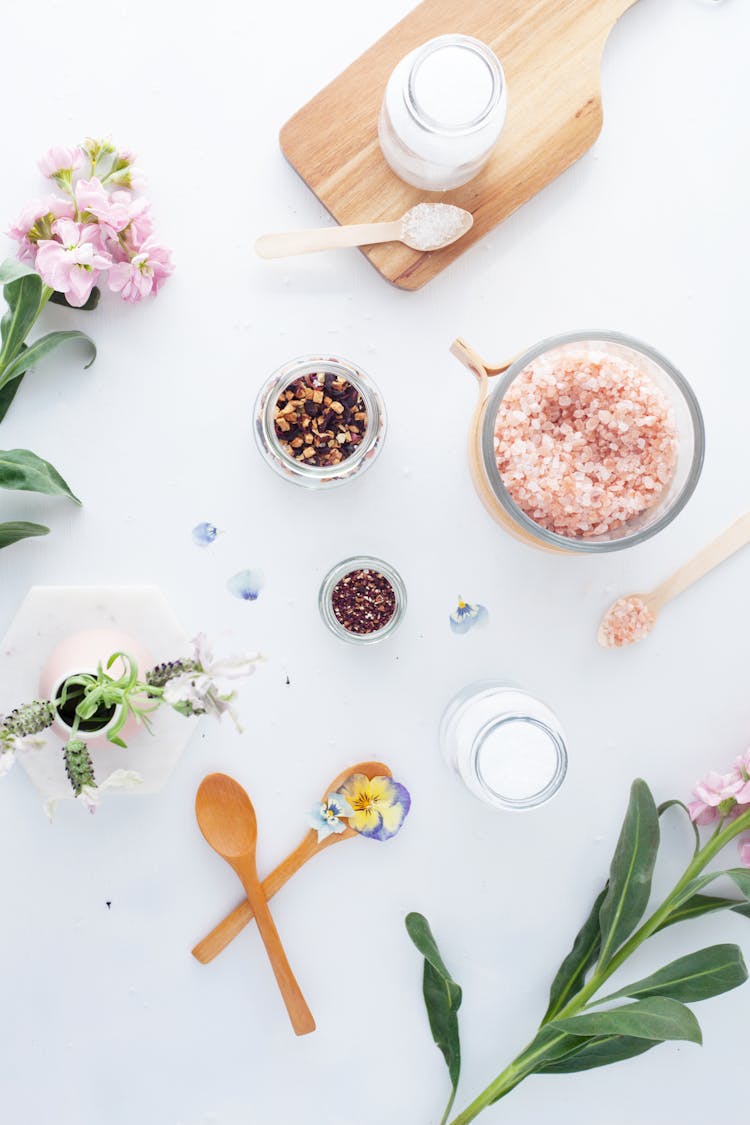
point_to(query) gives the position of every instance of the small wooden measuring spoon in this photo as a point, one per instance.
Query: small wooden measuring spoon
(646, 607)
(220, 937)
(412, 229)
(226, 818)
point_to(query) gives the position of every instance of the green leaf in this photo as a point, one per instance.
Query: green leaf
(7, 394)
(631, 871)
(697, 976)
(741, 876)
(22, 470)
(11, 269)
(12, 532)
(90, 305)
(600, 1052)
(442, 996)
(39, 349)
(656, 1017)
(703, 904)
(24, 297)
(571, 975)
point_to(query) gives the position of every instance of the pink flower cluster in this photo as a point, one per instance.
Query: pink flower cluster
(97, 228)
(724, 795)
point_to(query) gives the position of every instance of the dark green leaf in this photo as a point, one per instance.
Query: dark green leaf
(23, 470)
(442, 996)
(703, 904)
(571, 975)
(7, 394)
(24, 299)
(93, 301)
(697, 976)
(12, 532)
(42, 347)
(600, 1052)
(631, 871)
(657, 1017)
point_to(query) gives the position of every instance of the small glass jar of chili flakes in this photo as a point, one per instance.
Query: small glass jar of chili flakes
(362, 600)
(319, 421)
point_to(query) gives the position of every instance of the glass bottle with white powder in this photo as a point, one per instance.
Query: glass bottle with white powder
(443, 111)
(507, 747)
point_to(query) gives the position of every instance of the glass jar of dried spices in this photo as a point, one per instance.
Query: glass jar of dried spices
(362, 600)
(319, 421)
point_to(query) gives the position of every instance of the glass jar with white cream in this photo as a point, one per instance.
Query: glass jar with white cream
(443, 111)
(507, 747)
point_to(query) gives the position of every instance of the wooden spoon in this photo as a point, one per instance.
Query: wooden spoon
(226, 818)
(220, 937)
(415, 229)
(730, 541)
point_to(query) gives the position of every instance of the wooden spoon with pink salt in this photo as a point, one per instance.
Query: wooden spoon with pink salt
(632, 618)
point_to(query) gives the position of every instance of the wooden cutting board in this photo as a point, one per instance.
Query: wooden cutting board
(551, 53)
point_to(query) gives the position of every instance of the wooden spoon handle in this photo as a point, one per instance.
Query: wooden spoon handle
(726, 544)
(296, 1005)
(221, 935)
(288, 243)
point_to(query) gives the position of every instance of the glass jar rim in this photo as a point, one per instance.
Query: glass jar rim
(339, 571)
(552, 538)
(265, 429)
(495, 70)
(539, 796)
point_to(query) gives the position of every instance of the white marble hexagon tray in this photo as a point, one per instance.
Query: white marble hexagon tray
(50, 614)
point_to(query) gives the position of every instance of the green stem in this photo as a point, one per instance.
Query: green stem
(528, 1061)
(449, 1107)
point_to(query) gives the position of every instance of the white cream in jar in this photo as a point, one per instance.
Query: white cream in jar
(443, 111)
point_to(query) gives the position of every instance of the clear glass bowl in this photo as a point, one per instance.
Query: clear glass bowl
(690, 436)
(318, 476)
(334, 576)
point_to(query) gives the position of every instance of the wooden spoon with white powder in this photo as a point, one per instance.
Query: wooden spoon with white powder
(428, 226)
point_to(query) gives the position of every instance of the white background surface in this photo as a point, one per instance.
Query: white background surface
(105, 1016)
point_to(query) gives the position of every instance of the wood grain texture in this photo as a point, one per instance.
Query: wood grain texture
(551, 53)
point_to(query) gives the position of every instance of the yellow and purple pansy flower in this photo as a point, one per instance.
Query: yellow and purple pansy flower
(379, 805)
(466, 615)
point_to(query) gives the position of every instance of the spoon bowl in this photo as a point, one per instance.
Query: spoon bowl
(226, 816)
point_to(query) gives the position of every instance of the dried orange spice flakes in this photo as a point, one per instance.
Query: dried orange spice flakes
(320, 419)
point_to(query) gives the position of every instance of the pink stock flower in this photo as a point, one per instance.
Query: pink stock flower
(72, 265)
(60, 160)
(35, 222)
(744, 850)
(742, 765)
(143, 274)
(711, 792)
(112, 211)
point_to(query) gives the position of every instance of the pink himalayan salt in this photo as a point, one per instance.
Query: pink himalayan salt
(585, 442)
(627, 621)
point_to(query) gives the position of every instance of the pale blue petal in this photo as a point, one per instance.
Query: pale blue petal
(246, 584)
(204, 534)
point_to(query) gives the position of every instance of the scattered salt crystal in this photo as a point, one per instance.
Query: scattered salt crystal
(429, 226)
(628, 620)
(609, 444)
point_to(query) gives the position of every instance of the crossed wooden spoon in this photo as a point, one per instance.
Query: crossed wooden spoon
(234, 923)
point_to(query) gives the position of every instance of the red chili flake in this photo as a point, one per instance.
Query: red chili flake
(363, 601)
